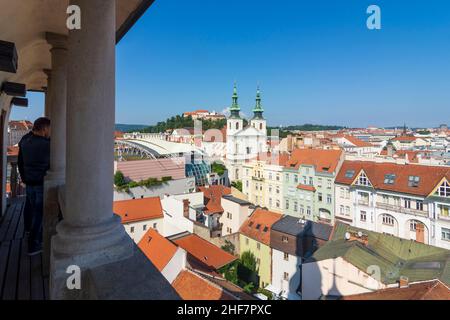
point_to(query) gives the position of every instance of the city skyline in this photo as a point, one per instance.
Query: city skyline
(316, 63)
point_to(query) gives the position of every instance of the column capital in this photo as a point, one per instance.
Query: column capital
(57, 41)
(48, 72)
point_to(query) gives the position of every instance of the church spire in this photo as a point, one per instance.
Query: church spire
(235, 109)
(258, 109)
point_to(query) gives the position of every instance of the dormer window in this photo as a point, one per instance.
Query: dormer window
(258, 226)
(349, 174)
(363, 180)
(444, 190)
(413, 181)
(389, 178)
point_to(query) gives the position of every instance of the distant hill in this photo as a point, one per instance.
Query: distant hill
(130, 127)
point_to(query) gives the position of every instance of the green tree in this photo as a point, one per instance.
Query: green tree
(218, 168)
(237, 184)
(228, 247)
(119, 179)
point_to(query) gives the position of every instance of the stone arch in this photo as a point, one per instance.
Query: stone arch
(387, 223)
(416, 230)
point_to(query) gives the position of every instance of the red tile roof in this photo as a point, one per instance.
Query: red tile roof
(357, 142)
(158, 249)
(306, 187)
(430, 290)
(430, 176)
(191, 286)
(24, 125)
(405, 138)
(213, 198)
(138, 209)
(322, 160)
(259, 224)
(204, 251)
(269, 158)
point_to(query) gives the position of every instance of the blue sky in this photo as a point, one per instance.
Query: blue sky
(316, 62)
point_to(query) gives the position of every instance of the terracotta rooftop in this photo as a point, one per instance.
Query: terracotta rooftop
(357, 142)
(158, 249)
(322, 160)
(430, 290)
(213, 198)
(306, 187)
(205, 252)
(24, 125)
(258, 225)
(429, 176)
(404, 138)
(191, 286)
(138, 209)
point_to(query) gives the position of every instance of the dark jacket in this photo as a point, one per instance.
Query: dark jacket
(34, 159)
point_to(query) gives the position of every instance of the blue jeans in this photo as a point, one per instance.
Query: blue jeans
(35, 196)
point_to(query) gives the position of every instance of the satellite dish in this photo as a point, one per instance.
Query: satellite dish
(347, 236)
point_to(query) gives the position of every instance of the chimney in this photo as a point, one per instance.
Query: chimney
(186, 208)
(403, 282)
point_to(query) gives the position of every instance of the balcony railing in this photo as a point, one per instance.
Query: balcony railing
(401, 209)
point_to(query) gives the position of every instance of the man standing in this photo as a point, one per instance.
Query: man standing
(33, 163)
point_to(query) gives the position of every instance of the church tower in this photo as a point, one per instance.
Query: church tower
(234, 123)
(258, 122)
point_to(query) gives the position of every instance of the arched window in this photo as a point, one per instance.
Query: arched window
(260, 126)
(237, 125)
(388, 220)
(363, 180)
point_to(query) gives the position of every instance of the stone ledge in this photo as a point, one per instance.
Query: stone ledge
(135, 278)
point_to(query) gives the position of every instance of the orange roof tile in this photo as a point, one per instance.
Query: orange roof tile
(429, 176)
(158, 249)
(430, 290)
(138, 209)
(213, 197)
(405, 138)
(191, 286)
(357, 142)
(322, 160)
(204, 251)
(259, 224)
(271, 158)
(306, 187)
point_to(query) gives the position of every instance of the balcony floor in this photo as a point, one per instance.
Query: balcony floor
(20, 275)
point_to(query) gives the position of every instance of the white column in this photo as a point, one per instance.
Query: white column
(55, 103)
(90, 235)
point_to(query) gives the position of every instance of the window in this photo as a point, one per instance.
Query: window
(278, 177)
(385, 199)
(260, 187)
(308, 210)
(278, 203)
(155, 225)
(407, 203)
(132, 230)
(144, 227)
(287, 203)
(258, 246)
(258, 226)
(419, 205)
(388, 220)
(444, 210)
(444, 190)
(341, 210)
(286, 177)
(286, 256)
(363, 216)
(295, 178)
(329, 184)
(349, 174)
(304, 179)
(229, 215)
(363, 180)
(246, 183)
(284, 239)
(347, 210)
(397, 201)
(364, 198)
(270, 189)
(389, 178)
(413, 181)
(270, 202)
(295, 206)
(270, 175)
(319, 182)
(319, 197)
(413, 225)
(286, 276)
(278, 190)
(342, 192)
(311, 181)
(329, 199)
(445, 234)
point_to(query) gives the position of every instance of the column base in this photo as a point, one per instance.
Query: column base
(86, 248)
(52, 210)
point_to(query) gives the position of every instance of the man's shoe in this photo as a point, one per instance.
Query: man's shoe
(34, 251)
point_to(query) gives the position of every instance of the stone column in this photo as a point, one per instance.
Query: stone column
(56, 101)
(48, 72)
(90, 235)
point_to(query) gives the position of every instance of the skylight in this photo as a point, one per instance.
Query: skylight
(389, 178)
(413, 181)
(349, 174)
(258, 226)
(265, 229)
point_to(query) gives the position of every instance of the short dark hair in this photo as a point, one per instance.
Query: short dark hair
(41, 123)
